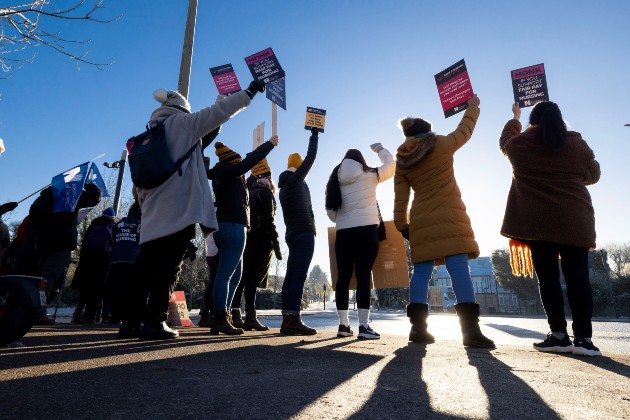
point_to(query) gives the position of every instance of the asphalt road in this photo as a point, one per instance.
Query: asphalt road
(70, 371)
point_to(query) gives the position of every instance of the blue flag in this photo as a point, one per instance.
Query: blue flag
(95, 178)
(67, 187)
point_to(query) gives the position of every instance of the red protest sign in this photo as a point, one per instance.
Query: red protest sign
(454, 88)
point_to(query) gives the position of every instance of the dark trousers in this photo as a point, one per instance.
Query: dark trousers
(574, 263)
(119, 280)
(248, 288)
(301, 249)
(356, 250)
(157, 269)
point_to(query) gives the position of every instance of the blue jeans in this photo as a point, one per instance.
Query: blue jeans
(230, 239)
(457, 266)
(301, 249)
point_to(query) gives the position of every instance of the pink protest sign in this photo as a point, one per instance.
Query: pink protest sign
(225, 79)
(454, 88)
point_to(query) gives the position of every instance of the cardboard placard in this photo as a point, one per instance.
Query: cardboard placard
(225, 79)
(264, 66)
(454, 88)
(276, 93)
(530, 85)
(390, 268)
(178, 311)
(262, 168)
(315, 118)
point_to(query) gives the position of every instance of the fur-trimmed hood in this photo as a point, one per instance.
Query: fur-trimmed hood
(414, 149)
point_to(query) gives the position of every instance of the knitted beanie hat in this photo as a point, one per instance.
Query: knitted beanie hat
(109, 212)
(295, 160)
(172, 98)
(225, 154)
(413, 126)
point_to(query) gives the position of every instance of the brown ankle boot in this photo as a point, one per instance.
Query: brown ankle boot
(223, 325)
(293, 325)
(252, 323)
(237, 318)
(206, 321)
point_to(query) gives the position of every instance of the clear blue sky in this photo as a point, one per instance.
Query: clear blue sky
(368, 63)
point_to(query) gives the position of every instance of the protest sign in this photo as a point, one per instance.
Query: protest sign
(264, 66)
(315, 118)
(225, 79)
(390, 268)
(454, 88)
(262, 168)
(530, 85)
(276, 93)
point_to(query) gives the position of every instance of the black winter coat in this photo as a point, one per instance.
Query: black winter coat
(295, 197)
(230, 190)
(261, 237)
(58, 231)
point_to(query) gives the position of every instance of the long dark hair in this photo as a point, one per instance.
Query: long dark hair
(333, 190)
(552, 129)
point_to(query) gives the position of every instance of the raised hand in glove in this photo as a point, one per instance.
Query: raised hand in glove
(7, 207)
(276, 250)
(254, 87)
(405, 232)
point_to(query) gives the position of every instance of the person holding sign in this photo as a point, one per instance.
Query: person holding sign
(232, 202)
(438, 228)
(351, 205)
(297, 210)
(549, 212)
(262, 240)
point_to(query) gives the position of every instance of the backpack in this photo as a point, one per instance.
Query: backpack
(150, 163)
(100, 240)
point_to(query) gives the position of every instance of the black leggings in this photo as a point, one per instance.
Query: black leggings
(574, 263)
(356, 250)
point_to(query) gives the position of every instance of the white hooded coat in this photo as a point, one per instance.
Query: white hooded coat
(358, 192)
(187, 199)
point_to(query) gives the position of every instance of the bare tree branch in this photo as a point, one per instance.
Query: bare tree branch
(29, 25)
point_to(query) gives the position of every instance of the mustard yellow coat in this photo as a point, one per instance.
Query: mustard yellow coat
(438, 223)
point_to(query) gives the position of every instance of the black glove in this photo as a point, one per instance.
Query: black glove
(405, 232)
(314, 131)
(206, 164)
(254, 87)
(7, 207)
(191, 252)
(276, 250)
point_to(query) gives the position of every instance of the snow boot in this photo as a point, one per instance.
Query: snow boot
(418, 314)
(468, 313)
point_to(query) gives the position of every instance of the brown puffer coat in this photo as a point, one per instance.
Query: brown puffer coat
(438, 225)
(548, 199)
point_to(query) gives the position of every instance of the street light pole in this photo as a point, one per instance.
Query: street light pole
(189, 38)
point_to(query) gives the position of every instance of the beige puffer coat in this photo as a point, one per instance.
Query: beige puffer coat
(438, 223)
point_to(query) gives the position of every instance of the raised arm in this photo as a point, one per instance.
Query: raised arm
(466, 126)
(307, 163)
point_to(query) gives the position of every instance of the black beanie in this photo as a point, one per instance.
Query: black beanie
(412, 126)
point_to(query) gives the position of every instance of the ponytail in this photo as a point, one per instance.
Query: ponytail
(333, 190)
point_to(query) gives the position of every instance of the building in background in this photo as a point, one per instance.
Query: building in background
(491, 297)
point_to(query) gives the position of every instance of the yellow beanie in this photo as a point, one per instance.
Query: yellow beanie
(226, 154)
(295, 160)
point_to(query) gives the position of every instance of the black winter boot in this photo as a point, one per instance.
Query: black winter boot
(157, 331)
(293, 325)
(418, 314)
(237, 318)
(252, 323)
(468, 314)
(223, 325)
